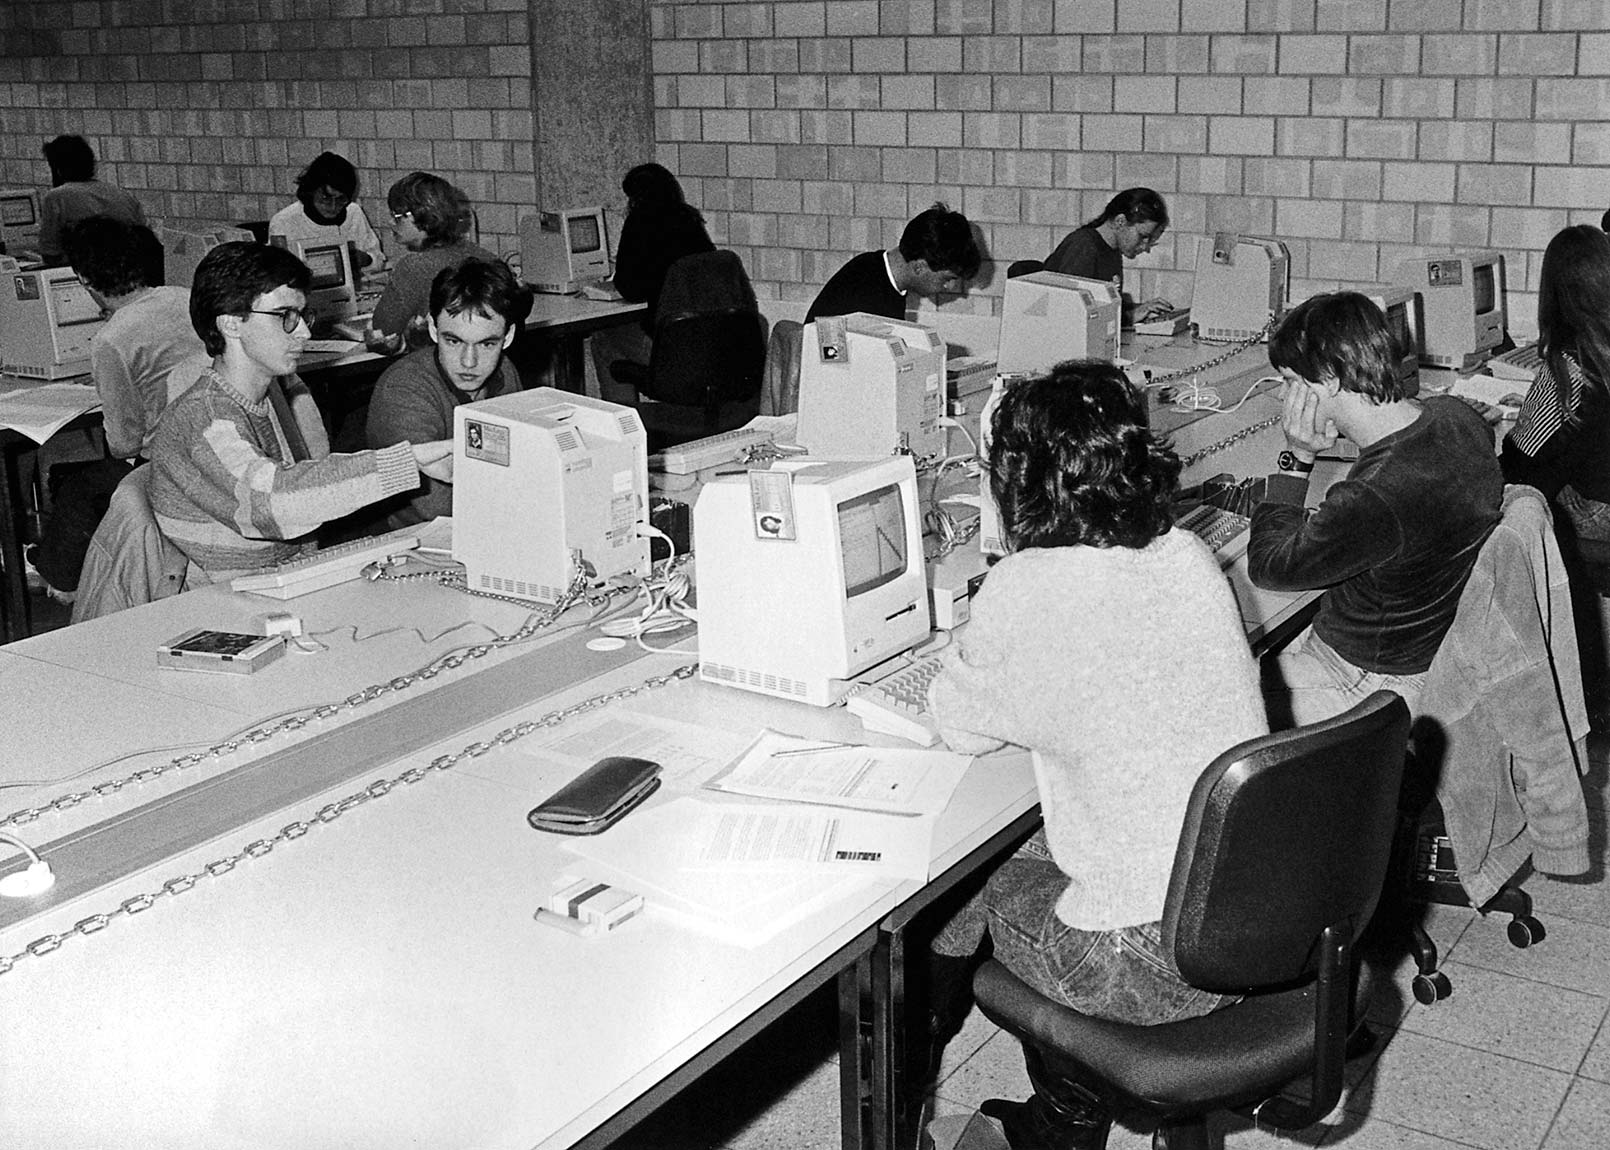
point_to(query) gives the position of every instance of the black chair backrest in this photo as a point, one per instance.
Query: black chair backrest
(1285, 835)
(1023, 267)
(707, 358)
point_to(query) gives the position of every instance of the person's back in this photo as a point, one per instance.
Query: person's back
(936, 256)
(77, 195)
(661, 227)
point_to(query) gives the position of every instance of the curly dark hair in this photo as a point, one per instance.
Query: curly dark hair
(113, 256)
(1072, 461)
(328, 170)
(1343, 336)
(231, 277)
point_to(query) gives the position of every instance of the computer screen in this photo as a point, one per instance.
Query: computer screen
(1397, 303)
(332, 293)
(327, 265)
(544, 480)
(810, 572)
(586, 234)
(869, 387)
(1240, 288)
(19, 219)
(560, 251)
(1047, 317)
(1459, 306)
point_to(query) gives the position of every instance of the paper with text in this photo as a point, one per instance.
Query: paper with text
(889, 780)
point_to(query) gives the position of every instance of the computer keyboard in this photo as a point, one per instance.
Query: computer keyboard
(325, 568)
(1225, 532)
(1170, 322)
(696, 455)
(898, 704)
(1520, 364)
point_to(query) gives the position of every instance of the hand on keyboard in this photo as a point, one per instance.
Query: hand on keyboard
(898, 704)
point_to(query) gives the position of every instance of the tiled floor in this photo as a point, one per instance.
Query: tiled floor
(1517, 1059)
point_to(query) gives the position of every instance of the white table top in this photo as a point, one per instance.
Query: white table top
(382, 976)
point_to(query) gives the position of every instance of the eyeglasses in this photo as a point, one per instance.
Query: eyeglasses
(1149, 239)
(399, 217)
(290, 318)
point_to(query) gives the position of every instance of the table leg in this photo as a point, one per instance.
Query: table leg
(15, 616)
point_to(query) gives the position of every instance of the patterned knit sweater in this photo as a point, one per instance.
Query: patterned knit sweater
(1126, 672)
(228, 494)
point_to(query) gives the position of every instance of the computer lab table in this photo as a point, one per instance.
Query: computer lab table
(377, 974)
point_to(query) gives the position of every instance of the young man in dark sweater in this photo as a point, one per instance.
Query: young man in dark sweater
(937, 255)
(1393, 543)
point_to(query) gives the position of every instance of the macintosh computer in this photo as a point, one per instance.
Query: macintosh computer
(19, 223)
(869, 387)
(183, 248)
(544, 482)
(1047, 317)
(1459, 306)
(48, 318)
(809, 572)
(1397, 304)
(332, 292)
(1241, 286)
(560, 251)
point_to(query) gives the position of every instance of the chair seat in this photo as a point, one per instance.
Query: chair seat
(1233, 1057)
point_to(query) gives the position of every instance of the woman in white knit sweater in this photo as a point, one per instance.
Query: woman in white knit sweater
(1108, 643)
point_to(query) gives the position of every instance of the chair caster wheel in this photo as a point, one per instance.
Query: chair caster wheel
(1431, 988)
(1524, 930)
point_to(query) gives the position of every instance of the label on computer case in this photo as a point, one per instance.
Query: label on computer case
(488, 442)
(832, 344)
(771, 504)
(1445, 273)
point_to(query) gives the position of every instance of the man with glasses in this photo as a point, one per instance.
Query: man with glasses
(937, 255)
(1129, 226)
(243, 470)
(327, 211)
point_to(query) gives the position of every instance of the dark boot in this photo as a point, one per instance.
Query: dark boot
(1061, 1114)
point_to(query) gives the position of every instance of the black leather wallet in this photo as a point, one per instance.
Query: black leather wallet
(598, 798)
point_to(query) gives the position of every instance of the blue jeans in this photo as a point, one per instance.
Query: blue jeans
(1122, 974)
(1309, 681)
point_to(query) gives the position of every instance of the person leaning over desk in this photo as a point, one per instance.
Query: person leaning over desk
(433, 219)
(1561, 443)
(1129, 226)
(476, 310)
(1394, 541)
(1074, 652)
(936, 256)
(242, 467)
(326, 211)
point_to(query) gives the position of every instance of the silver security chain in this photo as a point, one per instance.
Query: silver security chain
(329, 813)
(451, 661)
(1226, 356)
(1229, 441)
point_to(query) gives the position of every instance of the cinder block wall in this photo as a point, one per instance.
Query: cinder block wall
(1359, 131)
(207, 109)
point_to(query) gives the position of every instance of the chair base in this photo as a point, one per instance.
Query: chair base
(1433, 877)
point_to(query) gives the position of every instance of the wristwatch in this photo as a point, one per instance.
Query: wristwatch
(1287, 461)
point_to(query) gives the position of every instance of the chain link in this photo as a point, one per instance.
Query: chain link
(1230, 353)
(1229, 441)
(575, 593)
(330, 812)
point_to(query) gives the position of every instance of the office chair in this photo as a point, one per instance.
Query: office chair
(1280, 864)
(1023, 267)
(704, 373)
(1498, 748)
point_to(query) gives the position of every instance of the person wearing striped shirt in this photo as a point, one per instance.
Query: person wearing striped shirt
(1561, 443)
(243, 469)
